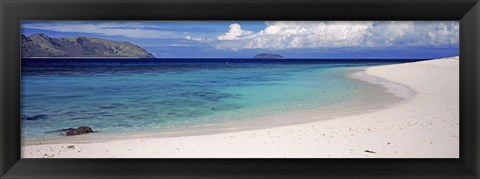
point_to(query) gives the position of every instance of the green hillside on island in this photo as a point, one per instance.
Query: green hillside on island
(41, 45)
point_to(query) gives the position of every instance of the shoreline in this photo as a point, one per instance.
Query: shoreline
(380, 91)
(344, 136)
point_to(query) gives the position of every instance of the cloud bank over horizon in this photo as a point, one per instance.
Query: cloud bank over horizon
(291, 38)
(332, 34)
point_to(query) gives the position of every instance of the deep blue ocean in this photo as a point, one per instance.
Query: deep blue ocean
(140, 95)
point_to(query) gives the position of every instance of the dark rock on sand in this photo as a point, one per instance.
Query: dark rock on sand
(369, 151)
(77, 131)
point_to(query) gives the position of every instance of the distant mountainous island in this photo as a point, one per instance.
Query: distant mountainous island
(41, 45)
(268, 56)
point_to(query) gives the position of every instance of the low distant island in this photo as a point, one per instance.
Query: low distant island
(40, 45)
(268, 56)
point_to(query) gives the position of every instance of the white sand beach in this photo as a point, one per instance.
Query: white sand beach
(424, 126)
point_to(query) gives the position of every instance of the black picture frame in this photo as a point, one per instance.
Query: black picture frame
(13, 11)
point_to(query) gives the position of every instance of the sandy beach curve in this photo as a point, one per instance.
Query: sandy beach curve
(425, 126)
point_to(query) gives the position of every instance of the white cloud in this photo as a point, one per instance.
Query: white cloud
(198, 39)
(132, 30)
(387, 33)
(331, 34)
(235, 33)
(415, 34)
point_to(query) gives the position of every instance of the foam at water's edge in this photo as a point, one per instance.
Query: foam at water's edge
(396, 89)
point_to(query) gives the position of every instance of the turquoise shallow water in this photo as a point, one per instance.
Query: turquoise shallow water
(130, 98)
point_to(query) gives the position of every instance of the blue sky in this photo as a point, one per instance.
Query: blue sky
(292, 39)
